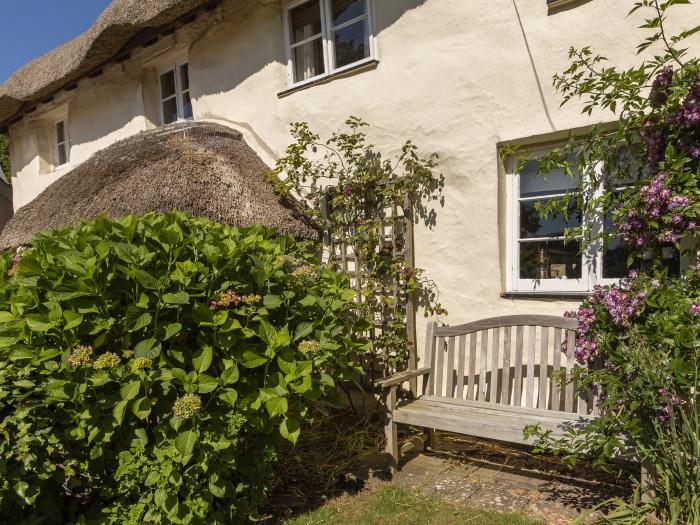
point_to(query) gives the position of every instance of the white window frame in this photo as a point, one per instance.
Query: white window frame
(328, 42)
(179, 92)
(63, 119)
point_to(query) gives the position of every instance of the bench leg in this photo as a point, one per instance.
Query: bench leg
(391, 430)
(428, 438)
(647, 481)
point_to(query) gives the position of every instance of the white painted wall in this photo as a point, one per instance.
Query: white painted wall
(457, 77)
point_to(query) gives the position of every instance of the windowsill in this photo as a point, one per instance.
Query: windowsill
(544, 295)
(350, 71)
(60, 169)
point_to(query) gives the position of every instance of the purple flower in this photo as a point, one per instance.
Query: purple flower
(694, 309)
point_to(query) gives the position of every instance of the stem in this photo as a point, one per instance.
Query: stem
(662, 32)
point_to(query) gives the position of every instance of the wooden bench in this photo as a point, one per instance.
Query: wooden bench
(490, 379)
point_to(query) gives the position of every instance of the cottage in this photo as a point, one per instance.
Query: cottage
(460, 78)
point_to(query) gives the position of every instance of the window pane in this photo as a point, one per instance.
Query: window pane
(62, 156)
(534, 185)
(167, 84)
(615, 260)
(308, 60)
(184, 77)
(60, 132)
(550, 260)
(532, 224)
(306, 21)
(186, 105)
(169, 111)
(351, 44)
(345, 10)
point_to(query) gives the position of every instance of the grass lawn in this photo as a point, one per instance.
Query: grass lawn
(391, 505)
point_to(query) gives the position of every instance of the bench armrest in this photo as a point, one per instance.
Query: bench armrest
(401, 377)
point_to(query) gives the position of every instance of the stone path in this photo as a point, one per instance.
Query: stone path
(490, 475)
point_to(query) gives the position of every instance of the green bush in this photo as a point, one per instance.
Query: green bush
(150, 368)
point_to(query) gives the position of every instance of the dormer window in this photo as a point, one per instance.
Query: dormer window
(61, 143)
(175, 100)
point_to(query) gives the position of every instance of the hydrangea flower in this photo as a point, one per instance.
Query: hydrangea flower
(309, 347)
(107, 361)
(299, 268)
(251, 299)
(187, 406)
(226, 299)
(80, 356)
(140, 363)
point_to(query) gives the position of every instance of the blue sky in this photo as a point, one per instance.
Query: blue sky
(29, 28)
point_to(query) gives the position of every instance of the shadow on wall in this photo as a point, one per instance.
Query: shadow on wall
(6, 209)
(251, 40)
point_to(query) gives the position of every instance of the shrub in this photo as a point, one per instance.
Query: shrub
(151, 368)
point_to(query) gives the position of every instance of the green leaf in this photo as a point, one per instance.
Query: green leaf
(302, 330)
(20, 353)
(202, 359)
(6, 317)
(272, 301)
(149, 348)
(141, 407)
(136, 318)
(169, 330)
(230, 375)
(38, 322)
(176, 298)
(185, 442)
(207, 384)
(130, 390)
(290, 429)
(276, 406)
(73, 319)
(118, 411)
(146, 280)
(229, 396)
(252, 360)
(216, 486)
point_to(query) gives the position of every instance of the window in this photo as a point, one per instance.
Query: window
(61, 143)
(540, 259)
(175, 101)
(327, 36)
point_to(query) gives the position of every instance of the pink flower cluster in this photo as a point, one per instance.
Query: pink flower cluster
(225, 299)
(660, 207)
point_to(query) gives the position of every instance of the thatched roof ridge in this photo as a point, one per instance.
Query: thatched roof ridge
(203, 169)
(121, 21)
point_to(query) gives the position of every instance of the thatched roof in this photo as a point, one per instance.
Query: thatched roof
(107, 38)
(203, 169)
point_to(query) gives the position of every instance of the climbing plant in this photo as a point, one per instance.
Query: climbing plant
(366, 204)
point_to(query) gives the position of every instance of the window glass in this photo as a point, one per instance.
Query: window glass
(167, 85)
(550, 260)
(351, 43)
(184, 77)
(532, 224)
(552, 183)
(170, 110)
(61, 144)
(186, 106)
(60, 132)
(308, 60)
(306, 21)
(346, 10)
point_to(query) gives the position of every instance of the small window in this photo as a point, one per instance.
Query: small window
(541, 259)
(62, 144)
(175, 100)
(327, 36)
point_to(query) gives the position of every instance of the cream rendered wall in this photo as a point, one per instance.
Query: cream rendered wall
(456, 76)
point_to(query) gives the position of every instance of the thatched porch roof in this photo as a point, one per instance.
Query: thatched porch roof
(203, 169)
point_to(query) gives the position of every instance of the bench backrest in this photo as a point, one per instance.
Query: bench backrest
(506, 360)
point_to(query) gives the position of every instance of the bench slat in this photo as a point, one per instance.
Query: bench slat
(518, 382)
(544, 361)
(493, 394)
(430, 357)
(505, 385)
(530, 387)
(482, 365)
(471, 387)
(461, 367)
(439, 372)
(569, 399)
(556, 403)
(450, 367)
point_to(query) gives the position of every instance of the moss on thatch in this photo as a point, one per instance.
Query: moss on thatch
(203, 169)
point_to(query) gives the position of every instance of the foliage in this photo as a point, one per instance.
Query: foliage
(5, 155)
(637, 342)
(358, 207)
(152, 367)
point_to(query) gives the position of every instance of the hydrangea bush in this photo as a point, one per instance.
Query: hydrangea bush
(638, 342)
(150, 368)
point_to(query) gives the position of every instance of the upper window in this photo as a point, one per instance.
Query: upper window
(61, 144)
(327, 36)
(175, 101)
(540, 258)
